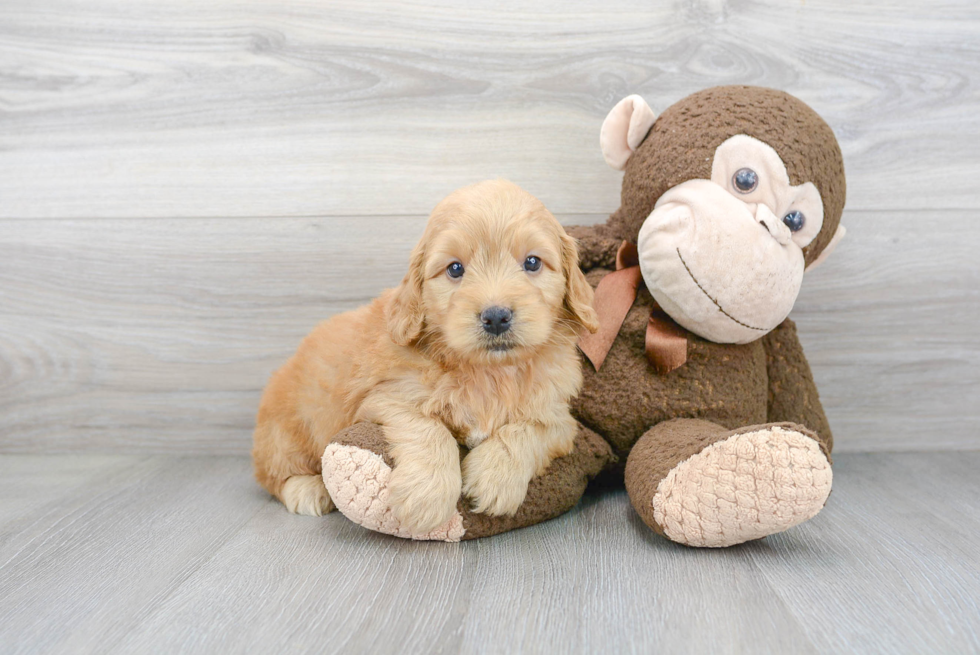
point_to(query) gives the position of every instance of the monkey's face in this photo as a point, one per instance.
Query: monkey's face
(724, 257)
(729, 195)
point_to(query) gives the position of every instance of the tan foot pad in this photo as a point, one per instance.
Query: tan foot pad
(744, 487)
(357, 480)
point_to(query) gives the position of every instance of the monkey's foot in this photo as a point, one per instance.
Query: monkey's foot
(356, 472)
(746, 484)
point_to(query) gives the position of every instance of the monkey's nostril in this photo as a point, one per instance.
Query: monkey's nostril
(496, 320)
(765, 226)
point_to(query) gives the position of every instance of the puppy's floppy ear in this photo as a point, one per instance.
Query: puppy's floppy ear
(404, 313)
(578, 293)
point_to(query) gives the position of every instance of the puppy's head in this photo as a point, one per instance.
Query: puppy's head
(493, 277)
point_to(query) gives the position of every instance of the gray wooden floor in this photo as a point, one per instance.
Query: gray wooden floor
(163, 554)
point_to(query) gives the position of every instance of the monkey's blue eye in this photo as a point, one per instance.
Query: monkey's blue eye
(795, 220)
(532, 264)
(745, 180)
(455, 270)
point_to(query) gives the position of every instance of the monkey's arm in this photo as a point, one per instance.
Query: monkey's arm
(596, 248)
(792, 393)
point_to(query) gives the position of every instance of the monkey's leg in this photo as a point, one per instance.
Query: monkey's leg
(357, 469)
(699, 484)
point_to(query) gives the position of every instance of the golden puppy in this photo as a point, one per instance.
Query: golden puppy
(476, 345)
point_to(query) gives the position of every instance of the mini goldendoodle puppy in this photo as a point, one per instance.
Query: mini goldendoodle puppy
(477, 345)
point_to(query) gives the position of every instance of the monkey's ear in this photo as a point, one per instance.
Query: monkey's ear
(834, 240)
(624, 129)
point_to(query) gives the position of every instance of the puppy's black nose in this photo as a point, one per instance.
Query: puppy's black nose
(496, 320)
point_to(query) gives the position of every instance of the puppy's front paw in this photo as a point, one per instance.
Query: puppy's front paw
(423, 497)
(494, 480)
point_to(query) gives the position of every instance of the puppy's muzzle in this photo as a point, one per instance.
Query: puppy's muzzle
(496, 320)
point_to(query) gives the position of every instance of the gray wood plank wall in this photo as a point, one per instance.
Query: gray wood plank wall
(187, 188)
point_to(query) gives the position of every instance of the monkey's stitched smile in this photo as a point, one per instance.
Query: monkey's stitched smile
(708, 295)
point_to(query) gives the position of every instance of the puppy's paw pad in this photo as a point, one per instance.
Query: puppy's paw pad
(745, 487)
(362, 494)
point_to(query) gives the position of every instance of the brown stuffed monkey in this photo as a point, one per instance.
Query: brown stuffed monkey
(697, 391)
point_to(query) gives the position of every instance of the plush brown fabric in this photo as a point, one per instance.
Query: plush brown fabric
(793, 394)
(368, 436)
(725, 384)
(722, 388)
(681, 145)
(549, 495)
(658, 451)
(597, 246)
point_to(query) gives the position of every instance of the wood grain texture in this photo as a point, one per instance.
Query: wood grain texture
(922, 506)
(130, 537)
(30, 482)
(889, 325)
(260, 108)
(168, 554)
(159, 335)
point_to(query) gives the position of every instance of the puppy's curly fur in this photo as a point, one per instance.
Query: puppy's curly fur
(423, 361)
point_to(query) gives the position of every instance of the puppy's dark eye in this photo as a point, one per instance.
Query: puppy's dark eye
(532, 264)
(795, 220)
(745, 180)
(455, 270)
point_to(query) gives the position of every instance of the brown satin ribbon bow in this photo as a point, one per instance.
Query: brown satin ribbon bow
(665, 342)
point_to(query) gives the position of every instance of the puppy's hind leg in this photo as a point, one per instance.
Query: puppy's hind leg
(305, 494)
(290, 473)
